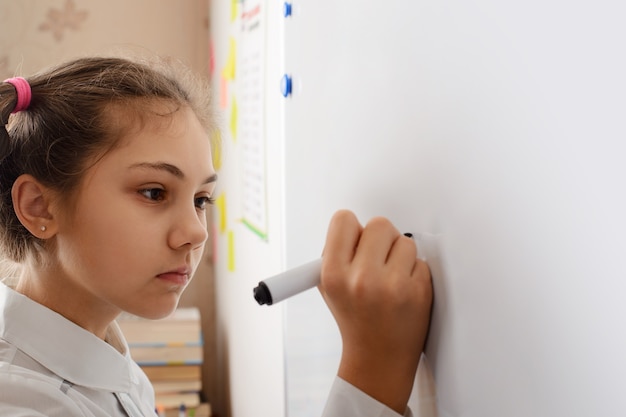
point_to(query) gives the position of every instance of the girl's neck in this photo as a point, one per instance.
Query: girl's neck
(50, 289)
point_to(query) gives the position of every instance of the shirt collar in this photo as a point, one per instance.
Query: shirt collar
(63, 347)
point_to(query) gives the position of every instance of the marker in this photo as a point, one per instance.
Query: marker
(290, 283)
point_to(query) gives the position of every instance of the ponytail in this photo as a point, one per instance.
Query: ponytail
(19, 102)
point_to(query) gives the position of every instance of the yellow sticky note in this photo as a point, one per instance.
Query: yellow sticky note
(232, 58)
(220, 203)
(233, 10)
(216, 149)
(233, 119)
(229, 70)
(231, 251)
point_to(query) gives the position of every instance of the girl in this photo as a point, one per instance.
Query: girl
(105, 177)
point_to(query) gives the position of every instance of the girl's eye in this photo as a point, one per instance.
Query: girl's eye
(201, 202)
(156, 194)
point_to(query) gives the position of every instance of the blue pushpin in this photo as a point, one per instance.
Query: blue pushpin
(287, 9)
(285, 85)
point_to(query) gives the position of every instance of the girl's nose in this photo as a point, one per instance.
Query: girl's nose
(189, 228)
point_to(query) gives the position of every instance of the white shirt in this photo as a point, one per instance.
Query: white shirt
(52, 367)
(345, 400)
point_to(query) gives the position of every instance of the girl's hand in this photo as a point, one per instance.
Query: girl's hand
(380, 294)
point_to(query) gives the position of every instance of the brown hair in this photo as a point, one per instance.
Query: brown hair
(74, 117)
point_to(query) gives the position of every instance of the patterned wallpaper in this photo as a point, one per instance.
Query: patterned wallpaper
(38, 33)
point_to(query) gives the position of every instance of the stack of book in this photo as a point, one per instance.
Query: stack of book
(170, 352)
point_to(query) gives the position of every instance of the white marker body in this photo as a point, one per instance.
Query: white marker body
(294, 281)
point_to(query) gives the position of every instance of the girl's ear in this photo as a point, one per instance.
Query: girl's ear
(32, 205)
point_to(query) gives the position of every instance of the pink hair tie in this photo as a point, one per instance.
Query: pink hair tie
(24, 93)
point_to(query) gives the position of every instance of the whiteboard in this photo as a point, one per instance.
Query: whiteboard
(498, 128)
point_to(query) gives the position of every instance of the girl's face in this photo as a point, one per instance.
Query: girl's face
(139, 227)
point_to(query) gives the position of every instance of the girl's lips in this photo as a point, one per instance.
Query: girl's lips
(178, 278)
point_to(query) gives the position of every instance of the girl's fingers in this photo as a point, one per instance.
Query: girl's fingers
(344, 233)
(376, 241)
(403, 255)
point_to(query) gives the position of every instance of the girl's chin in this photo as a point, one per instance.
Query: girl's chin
(158, 310)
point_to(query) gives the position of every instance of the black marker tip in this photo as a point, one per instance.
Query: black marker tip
(262, 294)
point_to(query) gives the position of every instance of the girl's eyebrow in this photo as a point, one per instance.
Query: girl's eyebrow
(209, 180)
(172, 169)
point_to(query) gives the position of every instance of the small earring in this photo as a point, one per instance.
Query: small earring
(43, 228)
